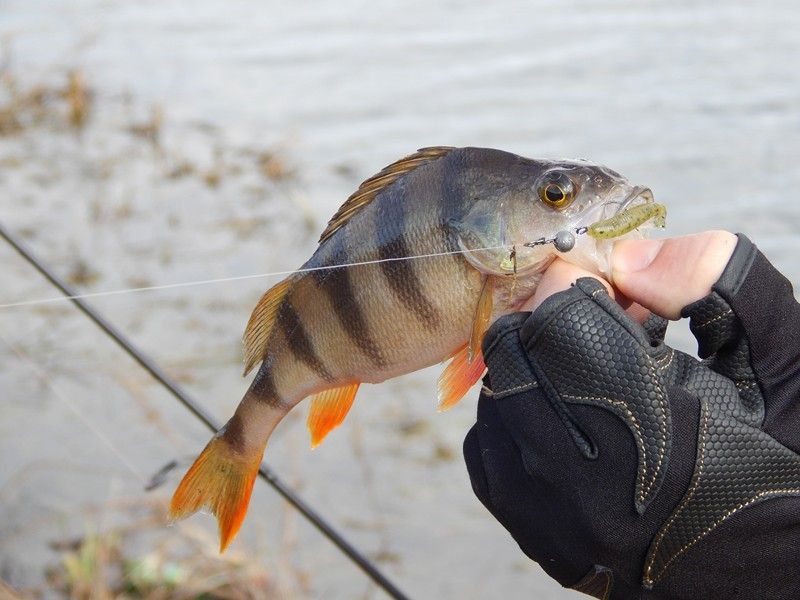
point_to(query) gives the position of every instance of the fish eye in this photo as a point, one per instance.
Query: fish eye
(556, 190)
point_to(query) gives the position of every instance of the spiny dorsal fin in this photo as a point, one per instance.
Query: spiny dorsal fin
(460, 375)
(261, 321)
(367, 191)
(328, 410)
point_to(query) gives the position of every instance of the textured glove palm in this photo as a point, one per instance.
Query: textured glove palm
(628, 469)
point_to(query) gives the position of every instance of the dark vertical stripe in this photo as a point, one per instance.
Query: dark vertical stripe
(455, 169)
(299, 342)
(337, 286)
(263, 387)
(390, 236)
(234, 433)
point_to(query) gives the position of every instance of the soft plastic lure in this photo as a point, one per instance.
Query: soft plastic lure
(628, 220)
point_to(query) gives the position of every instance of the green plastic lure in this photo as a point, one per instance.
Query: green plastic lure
(628, 220)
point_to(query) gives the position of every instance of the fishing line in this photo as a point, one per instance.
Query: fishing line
(264, 472)
(237, 278)
(67, 401)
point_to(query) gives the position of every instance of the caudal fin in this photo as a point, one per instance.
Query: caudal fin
(220, 480)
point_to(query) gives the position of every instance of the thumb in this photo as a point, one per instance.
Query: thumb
(666, 275)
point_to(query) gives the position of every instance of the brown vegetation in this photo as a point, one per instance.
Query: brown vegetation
(102, 566)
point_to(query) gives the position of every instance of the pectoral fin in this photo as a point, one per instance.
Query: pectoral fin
(328, 410)
(467, 365)
(480, 323)
(460, 375)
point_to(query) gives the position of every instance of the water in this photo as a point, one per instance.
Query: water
(697, 101)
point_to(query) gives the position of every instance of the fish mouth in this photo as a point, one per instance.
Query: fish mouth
(638, 196)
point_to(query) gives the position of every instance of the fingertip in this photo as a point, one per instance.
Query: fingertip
(559, 276)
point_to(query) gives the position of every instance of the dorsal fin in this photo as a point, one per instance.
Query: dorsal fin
(261, 321)
(367, 191)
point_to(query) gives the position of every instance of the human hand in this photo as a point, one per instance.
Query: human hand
(661, 276)
(628, 469)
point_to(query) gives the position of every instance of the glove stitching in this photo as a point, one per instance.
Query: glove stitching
(663, 429)
(658, 362)
(644, 486)
(540, 326)
(760, 496)
(642, 470)
(746, 383)
(599, 574)
(582, 440)
(598, 291)
(647, 485)
(648, 578)
(717, 318)
(520, 388)
(745, 504)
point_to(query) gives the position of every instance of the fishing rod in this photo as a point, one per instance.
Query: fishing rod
(265, 472)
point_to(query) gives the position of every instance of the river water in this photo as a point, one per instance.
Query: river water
(218, 139)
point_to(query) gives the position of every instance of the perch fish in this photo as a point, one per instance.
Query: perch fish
(471, 217)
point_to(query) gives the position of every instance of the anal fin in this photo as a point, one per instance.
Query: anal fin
(328, 410)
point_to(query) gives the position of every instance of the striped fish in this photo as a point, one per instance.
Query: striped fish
(465, 213)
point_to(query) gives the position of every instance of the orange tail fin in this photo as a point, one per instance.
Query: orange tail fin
(220, 480)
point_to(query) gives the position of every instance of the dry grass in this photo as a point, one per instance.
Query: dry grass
(68, 104)
(82, 274)
(186, 565)
(212, 177)
(150, 129)
(21, 109)
(273, 166)
(78, 99)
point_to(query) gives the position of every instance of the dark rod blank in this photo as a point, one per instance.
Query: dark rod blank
(151, 367)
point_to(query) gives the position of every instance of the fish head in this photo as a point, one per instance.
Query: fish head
(510, 224)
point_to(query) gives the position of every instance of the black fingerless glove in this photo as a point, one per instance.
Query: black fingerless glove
(627, 469)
